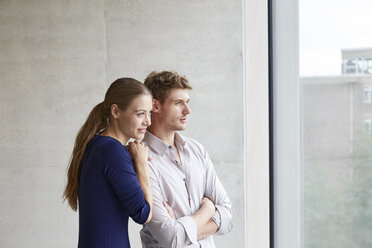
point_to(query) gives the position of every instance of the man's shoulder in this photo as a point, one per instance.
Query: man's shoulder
(192, 142)
(194, 146)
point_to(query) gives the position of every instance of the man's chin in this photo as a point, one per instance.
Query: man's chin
(181, 128)
(177, 127)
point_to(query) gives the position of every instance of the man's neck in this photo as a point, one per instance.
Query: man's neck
(164, 135)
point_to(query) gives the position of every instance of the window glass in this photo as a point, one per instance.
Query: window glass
(335, 42)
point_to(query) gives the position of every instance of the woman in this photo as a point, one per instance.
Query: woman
(102, 179)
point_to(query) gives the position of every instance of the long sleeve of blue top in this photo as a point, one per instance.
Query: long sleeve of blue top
(109, 192)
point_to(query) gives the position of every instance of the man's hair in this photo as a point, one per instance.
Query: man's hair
(160, 83)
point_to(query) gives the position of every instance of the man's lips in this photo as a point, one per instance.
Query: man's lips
(183, 119)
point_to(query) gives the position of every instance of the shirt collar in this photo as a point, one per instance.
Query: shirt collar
(160, 146)
(179, 139)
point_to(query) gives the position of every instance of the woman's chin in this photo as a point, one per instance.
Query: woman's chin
(139, 136)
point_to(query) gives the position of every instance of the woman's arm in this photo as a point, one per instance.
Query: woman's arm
(139, 155)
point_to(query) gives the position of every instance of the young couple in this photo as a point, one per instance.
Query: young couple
(166, 182)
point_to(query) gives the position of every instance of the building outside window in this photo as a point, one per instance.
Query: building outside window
(357, 61)
(368, 93)
(322, 149)
(368, 123)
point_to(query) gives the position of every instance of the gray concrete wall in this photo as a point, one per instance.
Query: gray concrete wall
(57, 59)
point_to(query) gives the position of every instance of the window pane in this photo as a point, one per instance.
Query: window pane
(336, 115)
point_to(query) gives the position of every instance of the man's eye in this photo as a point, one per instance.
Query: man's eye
(140, 114)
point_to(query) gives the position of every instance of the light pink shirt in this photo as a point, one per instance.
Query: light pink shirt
(183, 186)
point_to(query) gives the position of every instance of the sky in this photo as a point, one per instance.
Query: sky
(326, 27)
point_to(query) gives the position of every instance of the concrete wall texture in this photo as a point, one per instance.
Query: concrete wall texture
(57, 60)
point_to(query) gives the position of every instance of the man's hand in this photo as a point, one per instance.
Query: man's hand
(169, 210)
(203, 219)
(208, 203)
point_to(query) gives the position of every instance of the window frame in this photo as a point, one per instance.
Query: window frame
(256, 74)
(272, 123)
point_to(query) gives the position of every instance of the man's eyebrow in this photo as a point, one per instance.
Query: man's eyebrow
(139, 110)
(180, 99)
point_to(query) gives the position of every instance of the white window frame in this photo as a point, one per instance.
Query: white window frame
(287, 123)
(286, 128)
(256, 140)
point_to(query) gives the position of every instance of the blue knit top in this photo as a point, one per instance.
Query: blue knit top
(109, 192)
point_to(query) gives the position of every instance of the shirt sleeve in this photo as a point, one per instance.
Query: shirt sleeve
(120, 174)
(215, 191)
(167, 231)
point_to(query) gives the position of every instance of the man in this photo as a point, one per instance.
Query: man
(190, 203)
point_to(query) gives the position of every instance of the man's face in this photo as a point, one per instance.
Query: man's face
(173, 112)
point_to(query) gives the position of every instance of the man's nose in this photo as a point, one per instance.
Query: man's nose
(187, 109)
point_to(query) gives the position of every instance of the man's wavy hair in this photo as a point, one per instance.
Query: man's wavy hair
(160, 83)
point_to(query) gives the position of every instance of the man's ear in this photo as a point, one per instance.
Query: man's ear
(115, 111)
(155, 105)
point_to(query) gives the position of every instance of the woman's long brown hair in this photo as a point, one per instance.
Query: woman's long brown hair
(121, 92)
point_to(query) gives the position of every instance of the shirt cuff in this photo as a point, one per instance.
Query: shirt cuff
(190, 228)
(217, 218)
(225, 224)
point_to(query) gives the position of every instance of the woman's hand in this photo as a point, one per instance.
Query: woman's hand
(138, 152)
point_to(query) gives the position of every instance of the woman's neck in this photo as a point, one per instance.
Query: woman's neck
(115, 133)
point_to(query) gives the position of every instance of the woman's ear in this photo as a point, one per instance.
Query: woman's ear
(115, 111)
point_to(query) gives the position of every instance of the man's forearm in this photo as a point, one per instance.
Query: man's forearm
(208, 229)
(203, 219)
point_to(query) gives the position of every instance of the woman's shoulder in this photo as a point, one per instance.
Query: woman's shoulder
(109, 146)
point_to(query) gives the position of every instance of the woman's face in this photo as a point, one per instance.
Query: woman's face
(136, 118)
